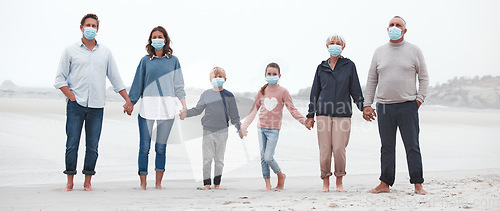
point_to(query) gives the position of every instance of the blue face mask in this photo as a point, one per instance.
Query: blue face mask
(158, 43)
(272, 79)
(395, 33)
(217, 82)
(335, 50)
(89, 33)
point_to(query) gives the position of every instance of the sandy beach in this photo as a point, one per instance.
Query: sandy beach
(459, 147)
(448, 190)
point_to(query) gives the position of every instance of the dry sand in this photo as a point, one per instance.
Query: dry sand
(459, 147)
(450, 190)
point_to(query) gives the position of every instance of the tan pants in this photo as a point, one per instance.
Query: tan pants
(333, 137)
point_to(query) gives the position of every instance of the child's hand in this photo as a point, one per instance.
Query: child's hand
(242, 133)
(182, 114)
(309, 123)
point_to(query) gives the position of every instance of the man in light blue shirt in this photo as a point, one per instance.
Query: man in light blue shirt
(82, 78)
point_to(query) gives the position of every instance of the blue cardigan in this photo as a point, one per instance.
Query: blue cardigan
(332, 90)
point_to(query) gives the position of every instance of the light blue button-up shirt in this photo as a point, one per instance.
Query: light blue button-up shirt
(84, 71)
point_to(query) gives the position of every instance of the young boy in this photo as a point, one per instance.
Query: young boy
(220, 107)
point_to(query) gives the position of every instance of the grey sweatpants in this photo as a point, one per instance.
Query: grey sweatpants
(214, 147)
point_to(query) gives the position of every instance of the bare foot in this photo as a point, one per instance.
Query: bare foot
(419, 189)
(206, 187)
(326, 185)
(268, 188)
(281, 181)
(340, 186)
(69, 187)
(381, 188)
(325, 189)
(87, 187)
(158, 186)
(218, 187)
(86, 184)
(143, 186)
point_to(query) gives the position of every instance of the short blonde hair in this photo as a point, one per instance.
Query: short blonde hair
(217, 70)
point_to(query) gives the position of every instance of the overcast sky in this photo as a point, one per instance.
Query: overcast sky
(458, 38)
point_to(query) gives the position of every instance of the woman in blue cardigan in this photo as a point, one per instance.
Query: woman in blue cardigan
(158, 81)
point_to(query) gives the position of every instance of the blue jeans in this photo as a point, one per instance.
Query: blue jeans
(405, 116)
(76, 115)
(268, 138)
(162, 132)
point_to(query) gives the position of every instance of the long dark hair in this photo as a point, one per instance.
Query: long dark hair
(272, 64)
(167, 50)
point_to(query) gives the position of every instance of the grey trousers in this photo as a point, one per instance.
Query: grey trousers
(213, 147)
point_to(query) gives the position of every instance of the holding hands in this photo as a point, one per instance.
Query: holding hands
(369, 113)
(128, 108)
(242, 133)
(183, 113)
(309, 123)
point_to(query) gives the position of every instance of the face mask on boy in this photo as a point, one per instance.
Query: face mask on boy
(217, 82)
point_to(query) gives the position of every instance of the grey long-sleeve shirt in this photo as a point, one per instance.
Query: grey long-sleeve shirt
(395, 68)
(215, 118)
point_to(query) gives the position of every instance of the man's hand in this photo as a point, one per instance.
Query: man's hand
(369, 113)
(128, 108)
(309, 123)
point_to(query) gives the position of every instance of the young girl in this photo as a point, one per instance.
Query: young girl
(270, 101)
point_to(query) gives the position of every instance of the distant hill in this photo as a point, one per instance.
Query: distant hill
(8, 85)
(474, 92)
(478, 92)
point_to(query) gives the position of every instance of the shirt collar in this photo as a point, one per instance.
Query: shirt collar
(157, 57)
(96, 43)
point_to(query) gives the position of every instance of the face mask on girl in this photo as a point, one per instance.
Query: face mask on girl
(335, 50)
(272, 79)
(158, 43)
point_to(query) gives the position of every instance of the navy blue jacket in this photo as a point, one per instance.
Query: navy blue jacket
(332, 90)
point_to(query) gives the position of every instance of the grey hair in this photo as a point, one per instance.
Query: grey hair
(333, 36)
(400, 18)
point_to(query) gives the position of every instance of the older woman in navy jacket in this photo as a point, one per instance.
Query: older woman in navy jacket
(335, 83)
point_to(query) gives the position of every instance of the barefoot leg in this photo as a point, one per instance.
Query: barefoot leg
(326, 185)
(143, 181)
(419, 189)
(268, 184)
(159, 177)
(281, 181)
(69, 184)
(381, 188)
(206, 187)
(86, 185)
(340, 186)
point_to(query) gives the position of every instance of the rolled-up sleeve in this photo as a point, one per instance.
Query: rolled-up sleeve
(63, 70)
(114, 75)
(179, 82)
